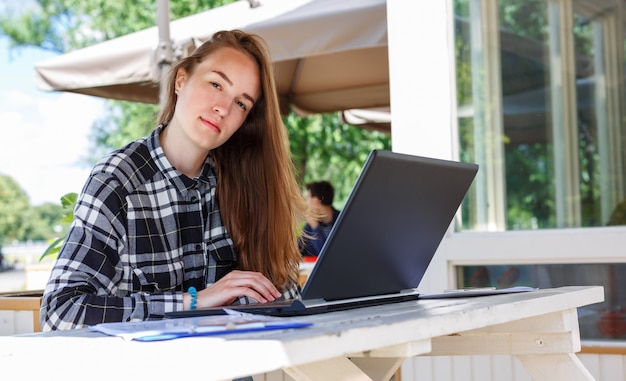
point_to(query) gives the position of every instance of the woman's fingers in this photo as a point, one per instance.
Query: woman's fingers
(236, 284)
(255, 281)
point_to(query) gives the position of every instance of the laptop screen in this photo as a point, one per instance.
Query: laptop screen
(399, 210)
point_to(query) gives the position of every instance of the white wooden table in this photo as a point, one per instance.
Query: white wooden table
(540, 328)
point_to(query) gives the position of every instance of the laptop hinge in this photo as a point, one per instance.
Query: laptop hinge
(409, 291)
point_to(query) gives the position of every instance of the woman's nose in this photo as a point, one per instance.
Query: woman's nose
(222, 105)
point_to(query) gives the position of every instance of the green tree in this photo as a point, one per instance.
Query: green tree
(14, 207)
(43, 223)
(19, 221)
(326, 149)
(122, 123)
(64, 25)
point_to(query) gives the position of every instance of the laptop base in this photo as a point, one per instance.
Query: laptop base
(297, 307)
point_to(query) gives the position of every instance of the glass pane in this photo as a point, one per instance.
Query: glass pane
(598, 121)
(587, 123)
(601, 321)
(525, 62)
(539, 109)
(464, 98)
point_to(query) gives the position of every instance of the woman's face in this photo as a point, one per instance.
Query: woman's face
(214, 101)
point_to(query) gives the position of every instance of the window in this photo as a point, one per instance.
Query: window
(602, 321)
(539, 105)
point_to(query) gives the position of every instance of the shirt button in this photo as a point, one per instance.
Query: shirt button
(198, 247)
(194, 199)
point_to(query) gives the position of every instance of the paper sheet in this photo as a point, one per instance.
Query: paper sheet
(167, 329)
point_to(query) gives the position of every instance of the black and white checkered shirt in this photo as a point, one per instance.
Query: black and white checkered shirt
(143, 233)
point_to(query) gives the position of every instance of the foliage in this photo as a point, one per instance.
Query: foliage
(14, 204)
(19, 221)
(68, 202)
(42, 223)
(527, 18)
(529, 203)
(124, 122)
(64, 25)
(326, 149)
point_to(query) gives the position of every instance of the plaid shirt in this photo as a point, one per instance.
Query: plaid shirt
(142, 234)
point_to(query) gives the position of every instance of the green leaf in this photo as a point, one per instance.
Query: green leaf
(53, 248)
(69, 200)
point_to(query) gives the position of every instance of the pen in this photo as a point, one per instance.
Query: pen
(471, 289)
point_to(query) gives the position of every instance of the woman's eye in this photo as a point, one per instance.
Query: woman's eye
(242, 105)
(216, 85)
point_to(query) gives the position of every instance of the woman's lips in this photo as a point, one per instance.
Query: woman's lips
(211, 125)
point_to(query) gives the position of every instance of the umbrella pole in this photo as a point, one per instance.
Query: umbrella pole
(165, 50)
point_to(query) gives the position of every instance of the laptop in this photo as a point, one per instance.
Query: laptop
(399, 210)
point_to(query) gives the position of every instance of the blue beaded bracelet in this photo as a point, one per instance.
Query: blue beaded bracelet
(194, 294)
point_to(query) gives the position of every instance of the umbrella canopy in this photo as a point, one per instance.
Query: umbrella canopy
(329, 55)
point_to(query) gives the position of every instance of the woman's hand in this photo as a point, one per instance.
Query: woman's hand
(233, 285)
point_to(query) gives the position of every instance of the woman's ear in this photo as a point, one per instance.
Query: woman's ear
(181, 78)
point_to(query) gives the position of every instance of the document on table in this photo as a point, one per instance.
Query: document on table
(168, 329)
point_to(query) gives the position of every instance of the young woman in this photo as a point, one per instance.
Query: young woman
(204, 212)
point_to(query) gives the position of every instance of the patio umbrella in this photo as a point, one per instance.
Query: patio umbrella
(329, 55)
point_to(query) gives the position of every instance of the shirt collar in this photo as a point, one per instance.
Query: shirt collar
(180, 181)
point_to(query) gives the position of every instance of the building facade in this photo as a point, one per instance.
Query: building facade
(532, 91)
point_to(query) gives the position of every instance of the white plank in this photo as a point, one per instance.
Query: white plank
(592, 363)
(481, 368)
(519, 373)
(277, 375)
(462, 368)
(7, 323)
(501, 367)
(612, 366)
(337, 369)
(405, 350)
(442, 369)
(24, 322)
(411, 366)
(378, 369)
(555, 367)
(504, 343)
(560, 321)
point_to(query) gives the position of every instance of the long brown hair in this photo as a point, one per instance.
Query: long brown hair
(261, 203)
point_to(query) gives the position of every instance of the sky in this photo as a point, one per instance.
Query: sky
(43, 135)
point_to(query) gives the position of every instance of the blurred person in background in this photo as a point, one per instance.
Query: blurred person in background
(322, 217)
